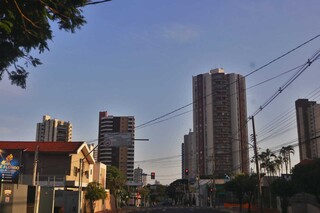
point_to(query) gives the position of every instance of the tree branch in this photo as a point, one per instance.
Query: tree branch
(25, 17)
(97, 2)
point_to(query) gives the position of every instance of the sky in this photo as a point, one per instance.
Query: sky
(137, 58)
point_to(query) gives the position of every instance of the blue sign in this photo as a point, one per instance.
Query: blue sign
(9, 166)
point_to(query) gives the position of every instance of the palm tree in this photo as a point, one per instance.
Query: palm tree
(278, 161)
(267, 161)
(286, 152)
(283, 153)
(290, 151)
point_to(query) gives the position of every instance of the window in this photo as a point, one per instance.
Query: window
(75, 171)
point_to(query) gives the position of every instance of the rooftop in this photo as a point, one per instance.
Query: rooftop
(31, 146)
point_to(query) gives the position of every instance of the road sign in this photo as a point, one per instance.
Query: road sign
(117, 139)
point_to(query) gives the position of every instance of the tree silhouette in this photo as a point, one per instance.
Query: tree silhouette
(286, 152)
(267, 162)
(284, 189)
(242, 185)
(25, 26)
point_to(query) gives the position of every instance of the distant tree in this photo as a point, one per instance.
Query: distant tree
(242, 185)
(177, 190)
(115, 182)
(26, 26)
(144, 192)
(94, 191)
(267, 162)
(278, 164)
(251, 187)
(286, 152)
(158, 193)
(285, 159)
(284, 189)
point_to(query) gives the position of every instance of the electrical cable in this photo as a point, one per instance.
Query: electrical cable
(254, 71)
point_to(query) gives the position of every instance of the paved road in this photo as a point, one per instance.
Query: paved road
(176, 209)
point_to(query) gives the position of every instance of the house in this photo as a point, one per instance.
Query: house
(55, 167)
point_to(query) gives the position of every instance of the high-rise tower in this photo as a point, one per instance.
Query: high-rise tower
(121, 157)
(219, 123)
(54, 130)
(308, 123)
(189, 161)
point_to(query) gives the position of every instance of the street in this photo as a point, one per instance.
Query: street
(175, 209)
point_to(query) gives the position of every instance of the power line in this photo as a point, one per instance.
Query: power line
(283, 55)
(254, 71)
(288, 83)
(289, 119)
(277, 76)
(158, 159)
(183, 113)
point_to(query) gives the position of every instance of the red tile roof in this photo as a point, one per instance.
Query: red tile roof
(30, 146)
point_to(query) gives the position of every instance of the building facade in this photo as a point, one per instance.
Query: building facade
(57, 171)
(189, 160)
(94, 151)
(120, 156)
(139, 176)
(219, 123)
(308, 125)
(57, 162)
(54, 130)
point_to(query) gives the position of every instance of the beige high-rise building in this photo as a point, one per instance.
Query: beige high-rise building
(308, 123)
(54, 130)
(121, 156)
(219, 123)
(189, 160)
(139, 176)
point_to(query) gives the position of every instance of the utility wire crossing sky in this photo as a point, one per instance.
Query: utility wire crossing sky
(131, 59)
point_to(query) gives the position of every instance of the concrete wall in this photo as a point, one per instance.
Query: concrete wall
(46, 199)
(67, 199)
(14, 198)
(19, 198)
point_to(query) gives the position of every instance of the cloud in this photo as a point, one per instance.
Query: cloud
(180, 33)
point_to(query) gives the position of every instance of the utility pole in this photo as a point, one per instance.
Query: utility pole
(34, 181)
(257, 164)
(80, 184)
(35, 166)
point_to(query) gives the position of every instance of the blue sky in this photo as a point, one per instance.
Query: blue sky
(138, 57)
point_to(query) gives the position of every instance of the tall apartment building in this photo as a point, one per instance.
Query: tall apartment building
(219, 123)
(139, 176)
(308, 124)
(189, 160)
(94, 151)
(121, 157)
(53, 130)
(184, 160)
